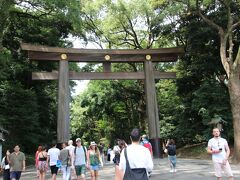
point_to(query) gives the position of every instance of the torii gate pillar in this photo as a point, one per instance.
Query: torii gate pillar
(152, 109)
(63, 118)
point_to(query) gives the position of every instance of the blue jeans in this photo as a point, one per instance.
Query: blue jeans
(172, 160)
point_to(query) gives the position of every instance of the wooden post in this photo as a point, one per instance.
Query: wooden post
(152, 109)
(63, 121)
(107, 67)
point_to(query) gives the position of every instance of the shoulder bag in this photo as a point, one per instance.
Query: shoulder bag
(134, 174)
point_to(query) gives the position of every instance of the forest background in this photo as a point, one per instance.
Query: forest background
(188, 106)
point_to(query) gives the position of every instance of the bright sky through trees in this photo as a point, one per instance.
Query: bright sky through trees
(81, 85)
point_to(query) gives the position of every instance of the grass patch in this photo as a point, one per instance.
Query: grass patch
(196, 151)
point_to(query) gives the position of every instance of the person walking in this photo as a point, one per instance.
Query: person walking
(42, 165)
(5, 166)
(52, 158)
(219, 149)
(118, 173)
(101, 150)
(116, 148)
(17, 163)
(145, 142)
(109, 150)
(36, 158)
(65, 158)
(71, 148)
(94, 160)
(80, 160)
(171, 151)
(136, 156)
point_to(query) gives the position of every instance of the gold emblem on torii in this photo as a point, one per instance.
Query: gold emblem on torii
(64, 56)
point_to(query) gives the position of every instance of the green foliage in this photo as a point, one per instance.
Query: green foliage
(19, 115)
(116, 24)
(29, 108)
(200, 83)
(169, 108)
(108, 109)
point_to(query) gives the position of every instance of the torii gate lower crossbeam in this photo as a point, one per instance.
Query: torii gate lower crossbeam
(64, 55)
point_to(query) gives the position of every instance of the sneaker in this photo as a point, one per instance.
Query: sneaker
(174, 170)
(171, 171)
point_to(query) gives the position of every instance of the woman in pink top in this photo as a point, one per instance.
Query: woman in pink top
(36, 158)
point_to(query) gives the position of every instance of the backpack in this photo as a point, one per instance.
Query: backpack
(171, 150)
(148, 145)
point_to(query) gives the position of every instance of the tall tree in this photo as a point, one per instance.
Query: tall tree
(28, 106)
(116, 24)
(228, 31)
(224, 17)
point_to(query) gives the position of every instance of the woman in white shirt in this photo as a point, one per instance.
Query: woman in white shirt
(5, 166)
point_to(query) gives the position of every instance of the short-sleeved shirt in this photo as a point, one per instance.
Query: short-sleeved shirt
(53, 154)
(80, 157)
(116, 149)
(138, 157)
(17, 161)
(216, 144)
(64, 156)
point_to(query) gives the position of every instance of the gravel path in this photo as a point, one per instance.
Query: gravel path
(187, 169)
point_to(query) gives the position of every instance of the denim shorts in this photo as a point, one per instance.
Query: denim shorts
(15, 175)
(94, 167)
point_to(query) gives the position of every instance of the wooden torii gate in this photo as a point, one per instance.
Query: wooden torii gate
(105, 56)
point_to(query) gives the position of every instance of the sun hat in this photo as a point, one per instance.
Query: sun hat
(93, 143)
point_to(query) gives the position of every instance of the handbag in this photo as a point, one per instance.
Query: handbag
(134, 174)
(59, 163)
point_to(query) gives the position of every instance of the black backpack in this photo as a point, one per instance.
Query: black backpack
(171, 150)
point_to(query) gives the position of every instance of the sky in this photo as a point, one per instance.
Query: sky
(81, 84)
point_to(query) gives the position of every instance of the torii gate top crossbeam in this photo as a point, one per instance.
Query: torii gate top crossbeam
(36, 52)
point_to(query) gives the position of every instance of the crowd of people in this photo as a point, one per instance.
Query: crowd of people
(133, 161)
(73, 161)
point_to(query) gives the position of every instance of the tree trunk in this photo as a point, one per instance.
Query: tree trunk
(234, 92)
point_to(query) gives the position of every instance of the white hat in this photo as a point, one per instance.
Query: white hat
(78, 139)
(93, 143)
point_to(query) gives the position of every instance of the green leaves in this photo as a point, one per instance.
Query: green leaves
(125, 24)
(107, 109)
(29, 108)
